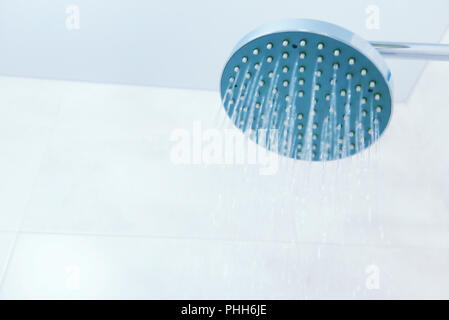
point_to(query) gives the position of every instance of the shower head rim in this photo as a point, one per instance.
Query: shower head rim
(329, 30)
(325, 29)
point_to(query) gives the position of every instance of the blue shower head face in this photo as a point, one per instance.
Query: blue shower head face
(306, 95)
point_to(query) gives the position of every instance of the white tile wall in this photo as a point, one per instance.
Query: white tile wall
(27, 116)
(70, 267)
(101, 211)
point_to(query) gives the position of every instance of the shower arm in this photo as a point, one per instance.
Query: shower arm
(406, 50)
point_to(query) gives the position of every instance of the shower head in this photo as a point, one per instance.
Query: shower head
(308, 90)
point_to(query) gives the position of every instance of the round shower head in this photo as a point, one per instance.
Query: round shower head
(308, 90)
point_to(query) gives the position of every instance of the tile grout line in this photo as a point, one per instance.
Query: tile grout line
(18, 232)
(121, 84)
(276, 242)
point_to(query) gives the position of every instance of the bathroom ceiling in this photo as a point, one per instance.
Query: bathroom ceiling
(184, 44)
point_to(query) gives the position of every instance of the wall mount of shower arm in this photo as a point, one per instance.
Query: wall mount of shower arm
(408, 50)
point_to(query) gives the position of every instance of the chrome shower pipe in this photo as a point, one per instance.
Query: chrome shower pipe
(408, 50)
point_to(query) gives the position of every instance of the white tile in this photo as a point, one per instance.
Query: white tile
(365, 272)
(107, 170)
(28, 111)
(6, 247)
(60, 267)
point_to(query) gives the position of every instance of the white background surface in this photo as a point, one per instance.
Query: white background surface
(92, 207)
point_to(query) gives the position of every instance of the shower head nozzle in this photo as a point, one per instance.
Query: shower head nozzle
(308, 90)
